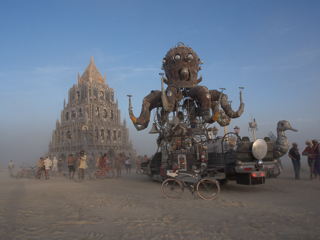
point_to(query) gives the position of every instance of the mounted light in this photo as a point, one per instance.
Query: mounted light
(260, 163)
(238, 163)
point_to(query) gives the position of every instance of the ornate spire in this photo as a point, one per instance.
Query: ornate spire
(92, 74)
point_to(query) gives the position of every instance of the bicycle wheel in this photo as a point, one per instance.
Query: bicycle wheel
(110, 174)
(208, 188)
(172, 188)
(30, 174)
(20, 175)
(97, 174)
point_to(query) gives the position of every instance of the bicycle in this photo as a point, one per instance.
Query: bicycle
(207, 188)
(23, 173)
(32, 173)
(107, 172)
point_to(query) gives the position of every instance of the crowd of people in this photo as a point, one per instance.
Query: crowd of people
(80, 164)
(312, 151)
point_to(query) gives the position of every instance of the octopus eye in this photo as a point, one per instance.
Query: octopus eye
(189, 57)
(164, 61)
(177, 57)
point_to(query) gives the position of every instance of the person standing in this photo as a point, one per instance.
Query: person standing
(72, 168)
(82, 165)
(40, 166)
(128, 165)
(47, 165)
(138, 162)
(60, 165)
(145, 159)
(10, 167)
(309, 151)
(119, 164)
(316, 166)
(54, 165)
(295, 157)
(98, 161)
(103, 161)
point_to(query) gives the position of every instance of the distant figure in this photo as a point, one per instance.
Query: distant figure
(309, 151)
(119, 164)
(82, 165)
(71, 165)
(10, 167)
(54, 165)
(295, 157)
(138, 162)
(98, 162)
(47, 165)
(60, 163)
(316, 168)
(128, 165)
(103, 161)
(40, 166)
(145, 159)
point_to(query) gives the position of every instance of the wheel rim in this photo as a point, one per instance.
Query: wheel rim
(96, 175)
(208, 189)
(172, 189)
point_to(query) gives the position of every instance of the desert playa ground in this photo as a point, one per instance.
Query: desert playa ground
(133, 207)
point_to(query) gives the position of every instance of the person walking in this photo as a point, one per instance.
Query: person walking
(295, 157)
(47, 165)
(309, 151)
(54, 166)
(82, 165)
(316, 167)
(40, 166)
(10, 167)
(71, 166)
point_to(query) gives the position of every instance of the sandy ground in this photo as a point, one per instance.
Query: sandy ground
(133, 207)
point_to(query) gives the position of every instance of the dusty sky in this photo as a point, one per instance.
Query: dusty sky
(271, 48)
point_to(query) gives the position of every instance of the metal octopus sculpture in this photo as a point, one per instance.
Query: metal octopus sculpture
(181, 65)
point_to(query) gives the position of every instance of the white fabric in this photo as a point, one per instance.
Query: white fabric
(47, 163)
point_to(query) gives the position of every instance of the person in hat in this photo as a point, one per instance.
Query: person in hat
(316, 167)
(82, 165)
(309, 151)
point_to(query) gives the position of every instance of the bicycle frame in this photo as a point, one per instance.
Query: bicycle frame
(180, 179)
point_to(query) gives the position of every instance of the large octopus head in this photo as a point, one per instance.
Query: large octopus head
(181, 66)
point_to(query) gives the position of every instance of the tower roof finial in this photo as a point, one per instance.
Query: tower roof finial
(91, 58)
